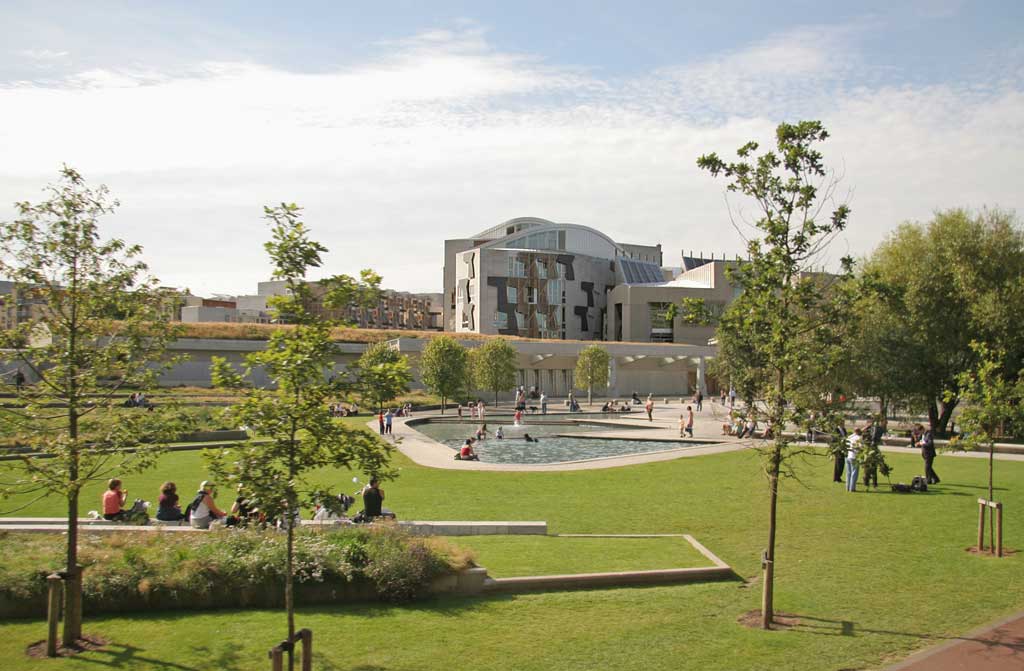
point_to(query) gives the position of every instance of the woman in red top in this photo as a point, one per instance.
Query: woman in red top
(113, 499)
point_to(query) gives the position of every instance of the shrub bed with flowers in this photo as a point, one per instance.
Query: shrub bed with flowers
(225, 568)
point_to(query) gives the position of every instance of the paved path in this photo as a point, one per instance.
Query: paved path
(994, 647)
(635, 426)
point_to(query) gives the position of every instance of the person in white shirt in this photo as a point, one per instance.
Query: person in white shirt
(852, 467)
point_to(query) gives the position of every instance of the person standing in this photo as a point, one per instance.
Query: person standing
(543, 403)
(852, 467)
(649, 407)
(927, 443)
(689, 421)
(700, 401)
(19, 381)
(732, 397)
(460, 410)
(380, 421)
(388, 418)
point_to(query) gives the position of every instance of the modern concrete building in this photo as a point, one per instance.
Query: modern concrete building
(536, 278)
(547, 365)
(637, 310)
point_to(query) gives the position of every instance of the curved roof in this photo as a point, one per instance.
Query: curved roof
(518, 223)
(585, 240)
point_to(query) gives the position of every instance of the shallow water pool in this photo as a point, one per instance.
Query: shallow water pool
(551, 448)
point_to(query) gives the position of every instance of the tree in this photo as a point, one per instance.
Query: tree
(294, 414)
(990, 402)
(494, 366)
(784, 315)
(592, 369)
(76, 283)
(942, 285)
(381, 374)
(443, 367)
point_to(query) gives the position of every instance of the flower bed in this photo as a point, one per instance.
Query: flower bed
(225, 568)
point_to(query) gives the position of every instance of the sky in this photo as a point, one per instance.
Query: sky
(397, 125)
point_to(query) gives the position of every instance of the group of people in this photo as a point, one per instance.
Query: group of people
(475, 409)
(342, 410)
(863, 447)
(385, 418)
(614, 406)
(202, 512)
(741, 427)
(137, 400)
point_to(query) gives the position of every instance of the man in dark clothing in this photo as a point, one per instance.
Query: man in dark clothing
(373, 499)
(927, 443)
(19, 380)
(700, 401)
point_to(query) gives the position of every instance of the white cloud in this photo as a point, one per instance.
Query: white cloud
(446, 136)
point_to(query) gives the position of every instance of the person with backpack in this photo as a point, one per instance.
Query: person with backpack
(203, 511)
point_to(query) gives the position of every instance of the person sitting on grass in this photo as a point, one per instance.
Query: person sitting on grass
(168, 507)
(113, 500)
(467, 453)
(204, 510)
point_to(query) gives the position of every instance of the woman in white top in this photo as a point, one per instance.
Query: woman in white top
(205, 511)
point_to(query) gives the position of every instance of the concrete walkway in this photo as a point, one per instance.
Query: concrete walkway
(665, 427)
(994, 647)
(635, 426)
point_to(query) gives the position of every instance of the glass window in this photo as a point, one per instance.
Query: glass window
(542, 269)
(513, 295)
(500, 320)
(553, 293)
(531, 295)
(542, 321)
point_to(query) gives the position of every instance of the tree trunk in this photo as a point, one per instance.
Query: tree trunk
(945, 414)
(991, 509)
(73, 577)
(933, 416)
(590, 396)
(495, 398)
(443, 403)
(289, 600)
(768, 593)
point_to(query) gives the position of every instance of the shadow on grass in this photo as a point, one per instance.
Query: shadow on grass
(827, 627)
(123, 656)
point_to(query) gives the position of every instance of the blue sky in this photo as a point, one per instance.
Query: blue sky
(398, 124)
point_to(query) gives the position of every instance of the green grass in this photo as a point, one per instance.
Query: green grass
(512, 556)
(872, 575)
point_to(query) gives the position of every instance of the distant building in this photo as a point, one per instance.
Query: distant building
(536, 278)
(394, 310)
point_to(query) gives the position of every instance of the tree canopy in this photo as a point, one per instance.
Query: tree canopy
(494, 366)
(444, 367)
(592, 369)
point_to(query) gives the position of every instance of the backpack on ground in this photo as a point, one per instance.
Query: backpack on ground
(919, 484)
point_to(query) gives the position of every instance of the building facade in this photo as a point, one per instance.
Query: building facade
(535, 278)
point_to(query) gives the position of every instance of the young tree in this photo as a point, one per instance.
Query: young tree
(592, 369)
(443, 365)
(77, 285)
(990, 402)
(294, 415)
(785, 314)
(381, 374)
(494, 366)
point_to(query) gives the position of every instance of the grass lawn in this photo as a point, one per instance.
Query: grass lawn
(513, 556)
(872, 575)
